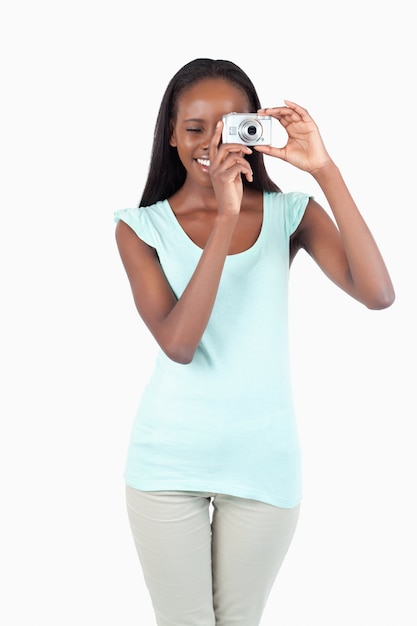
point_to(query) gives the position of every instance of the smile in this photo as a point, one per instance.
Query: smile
(204, 162)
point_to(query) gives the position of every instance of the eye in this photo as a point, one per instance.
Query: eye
(194, 130)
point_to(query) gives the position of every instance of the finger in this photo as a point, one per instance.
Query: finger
(236, 147)
(215, 140)
(237, 169)
(302, 112)
(249, 176)
(229, 151)
(284, 115)
(289, 105)
(275, 110)
(279, 112)
(272, 110)
(236, 158)
(235, 164)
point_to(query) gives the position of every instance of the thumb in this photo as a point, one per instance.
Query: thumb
(279, 153)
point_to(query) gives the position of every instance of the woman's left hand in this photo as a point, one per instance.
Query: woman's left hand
(305, 148)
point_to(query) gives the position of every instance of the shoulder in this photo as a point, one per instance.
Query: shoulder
(130, 243)
(314, 218)
(288, 208)
(287, 200)
(140, 214)
(143, 221)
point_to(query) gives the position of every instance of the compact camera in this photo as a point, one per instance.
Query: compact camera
(249, 129)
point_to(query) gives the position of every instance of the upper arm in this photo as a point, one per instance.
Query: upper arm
(151, 291)
(318, 235)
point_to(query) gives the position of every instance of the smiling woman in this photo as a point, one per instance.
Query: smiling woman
(208, 255)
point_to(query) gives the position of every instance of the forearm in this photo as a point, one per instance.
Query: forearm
(367, 269)
(183, 327)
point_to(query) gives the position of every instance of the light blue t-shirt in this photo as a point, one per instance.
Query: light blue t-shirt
(225, 422)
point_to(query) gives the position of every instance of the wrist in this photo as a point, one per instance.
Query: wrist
(226, 220)
(325, 171)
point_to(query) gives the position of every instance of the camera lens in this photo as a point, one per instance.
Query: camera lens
(250, 130)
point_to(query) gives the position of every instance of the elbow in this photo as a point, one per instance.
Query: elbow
(180, 354)
(180, 357)
(382, 300)
(176, 346)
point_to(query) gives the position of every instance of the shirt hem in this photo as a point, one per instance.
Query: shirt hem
(236, 491)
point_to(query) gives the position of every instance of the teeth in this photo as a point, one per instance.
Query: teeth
(204, 162)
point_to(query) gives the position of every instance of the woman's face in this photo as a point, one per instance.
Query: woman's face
(199, 109)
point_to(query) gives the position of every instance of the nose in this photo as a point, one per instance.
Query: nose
(208, 137)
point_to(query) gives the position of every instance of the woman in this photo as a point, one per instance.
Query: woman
(207, 254)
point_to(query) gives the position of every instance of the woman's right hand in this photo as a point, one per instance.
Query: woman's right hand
(227, 165)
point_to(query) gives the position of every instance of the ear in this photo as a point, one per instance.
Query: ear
(173, 139)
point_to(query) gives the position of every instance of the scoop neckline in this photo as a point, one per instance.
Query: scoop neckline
(246, 252)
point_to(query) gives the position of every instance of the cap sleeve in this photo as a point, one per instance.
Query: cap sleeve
(139, 221)
(295, 204)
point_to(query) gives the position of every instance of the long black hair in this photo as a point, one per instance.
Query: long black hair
(166, 172)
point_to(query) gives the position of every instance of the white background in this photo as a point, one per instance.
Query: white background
(81, 83)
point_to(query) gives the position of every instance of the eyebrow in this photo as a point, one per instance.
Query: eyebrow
(194, 119)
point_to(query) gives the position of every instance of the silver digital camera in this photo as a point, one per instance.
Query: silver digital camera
(249, 129)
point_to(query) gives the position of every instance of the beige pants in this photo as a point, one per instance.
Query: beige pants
(208, 559)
